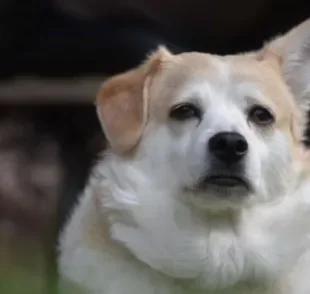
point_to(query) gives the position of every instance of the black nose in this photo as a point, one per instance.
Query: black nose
(229, 147)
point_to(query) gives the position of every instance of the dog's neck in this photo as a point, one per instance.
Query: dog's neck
(228, 219)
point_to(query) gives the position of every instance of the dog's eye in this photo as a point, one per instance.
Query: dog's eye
(185, 111)
(261, 115)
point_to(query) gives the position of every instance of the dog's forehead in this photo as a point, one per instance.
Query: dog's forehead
(191, 74)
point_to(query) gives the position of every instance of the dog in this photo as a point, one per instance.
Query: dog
(205, 187)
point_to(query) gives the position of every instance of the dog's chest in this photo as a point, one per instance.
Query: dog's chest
(241, 288)
(212, 258)
(235, 290)
(216, 261)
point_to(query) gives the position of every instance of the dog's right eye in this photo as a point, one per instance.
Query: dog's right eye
(185, 111)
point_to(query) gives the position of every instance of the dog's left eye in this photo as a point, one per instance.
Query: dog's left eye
(185, 111)
(261, 115)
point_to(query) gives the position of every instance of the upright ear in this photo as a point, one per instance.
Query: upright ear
(292, 52)
(122, 103)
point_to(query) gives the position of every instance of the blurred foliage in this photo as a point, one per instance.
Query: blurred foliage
(26, 266)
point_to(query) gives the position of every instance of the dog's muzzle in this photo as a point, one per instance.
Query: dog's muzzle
(225, 174)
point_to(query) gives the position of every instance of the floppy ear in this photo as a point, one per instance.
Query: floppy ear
(122, 103)
(292, 52)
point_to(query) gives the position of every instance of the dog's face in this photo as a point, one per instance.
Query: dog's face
(220, 131)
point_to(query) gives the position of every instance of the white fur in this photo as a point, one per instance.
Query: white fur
(177, 241)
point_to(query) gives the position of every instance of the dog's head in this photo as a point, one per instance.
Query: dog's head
(224, 130)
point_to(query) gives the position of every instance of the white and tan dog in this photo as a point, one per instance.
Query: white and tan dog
(206, 186)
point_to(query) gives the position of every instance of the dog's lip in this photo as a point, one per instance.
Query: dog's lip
(225, 181)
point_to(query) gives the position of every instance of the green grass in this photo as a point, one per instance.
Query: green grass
(19, 282)
(25, 267)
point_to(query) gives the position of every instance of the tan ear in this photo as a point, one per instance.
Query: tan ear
(122, 103)
(292, 52)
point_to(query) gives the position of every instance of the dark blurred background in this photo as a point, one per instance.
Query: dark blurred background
(53, 56)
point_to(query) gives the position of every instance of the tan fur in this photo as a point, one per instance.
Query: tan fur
(122, 102)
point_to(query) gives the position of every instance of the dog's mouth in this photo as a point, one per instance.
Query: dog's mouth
(224, 182)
